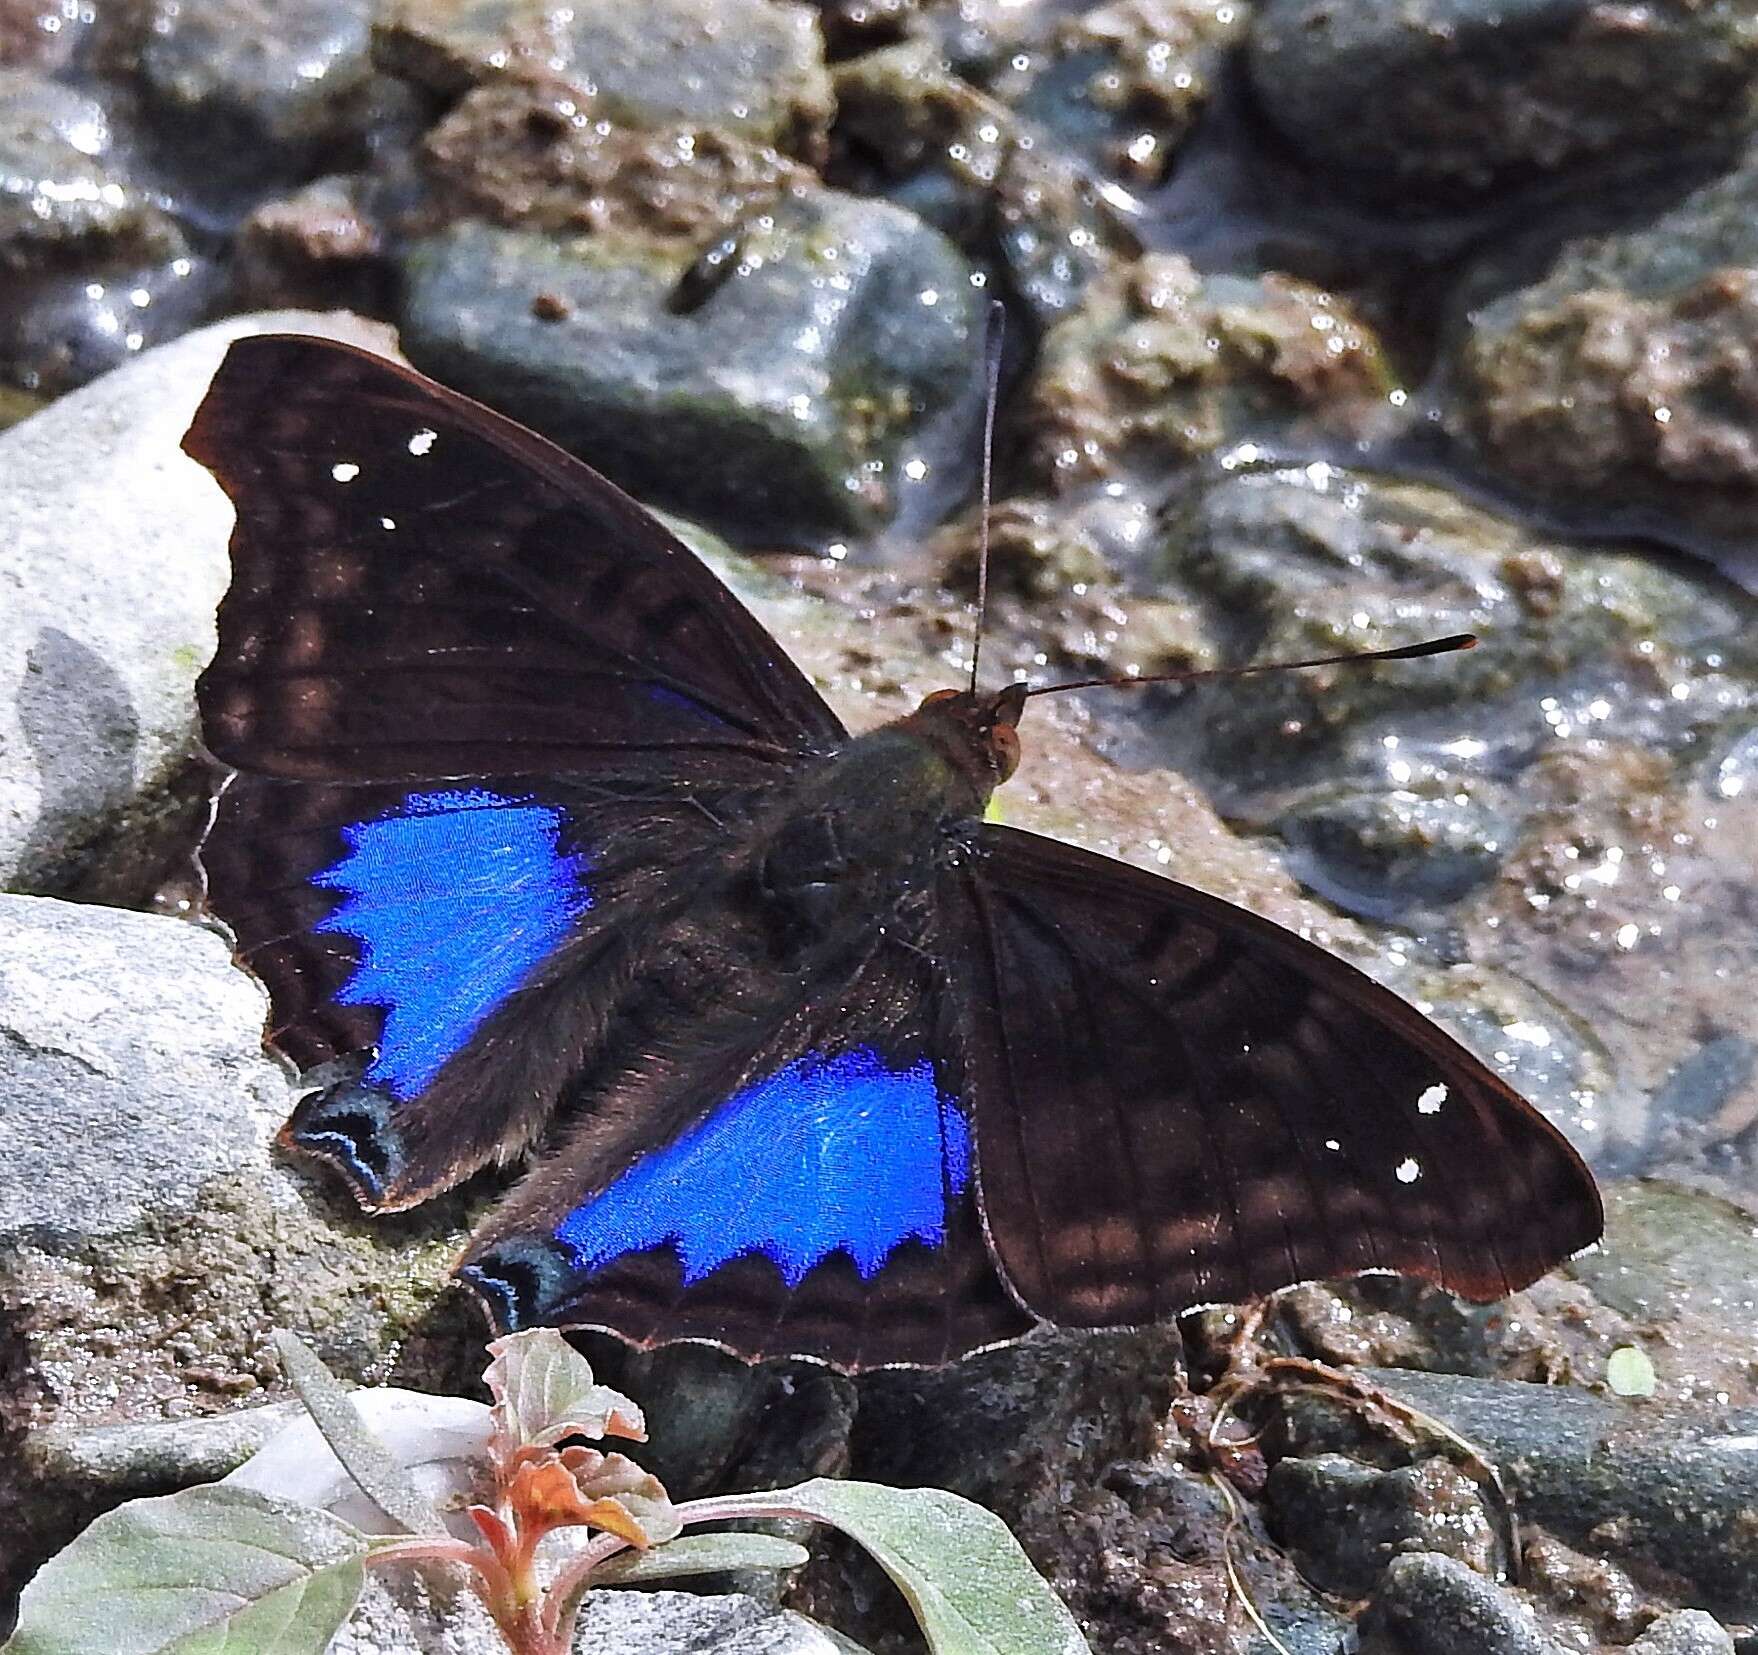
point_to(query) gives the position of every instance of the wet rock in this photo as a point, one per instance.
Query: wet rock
(295, 76)
(786, 402)
(1652, 1484)
(526, 152)
(1684, 1632)
(1687, 1261)
(1385, 856)
(1623, 377)
(1060, 597)
(60, 191)
(95, 269)
(1434, 1605)
(753, 69)
(1611, 1605)
(1426, 99)
(1160, 365)
(65, 327)
(320, 246)
(1117, 86)
(1316, 558)
(978, 171)
(43, 34)
(112, 555)
(1347, 1521)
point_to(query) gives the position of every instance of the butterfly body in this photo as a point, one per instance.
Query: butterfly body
(543, 845)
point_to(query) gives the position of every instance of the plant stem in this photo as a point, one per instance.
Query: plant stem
(567, 1592)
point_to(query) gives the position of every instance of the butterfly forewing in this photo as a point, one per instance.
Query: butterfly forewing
(1180, 1103)
(488, 717)
(423, 589)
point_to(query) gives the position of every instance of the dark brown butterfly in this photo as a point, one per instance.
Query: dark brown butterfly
(535, 834)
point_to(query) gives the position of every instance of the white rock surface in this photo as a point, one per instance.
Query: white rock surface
(112, 559)
(131, 1069)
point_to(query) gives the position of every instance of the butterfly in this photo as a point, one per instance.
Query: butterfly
(543, 847)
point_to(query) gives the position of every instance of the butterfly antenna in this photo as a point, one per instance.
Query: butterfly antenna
(1405, 652)
(994, 334)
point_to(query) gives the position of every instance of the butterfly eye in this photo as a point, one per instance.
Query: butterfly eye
(938, 696)
(1004, 748)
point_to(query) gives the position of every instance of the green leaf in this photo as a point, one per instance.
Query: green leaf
(363, 1456)
(214, 1570)
(543, 1390)
(1628, 1372)
(973, 1590)
(700, 1554)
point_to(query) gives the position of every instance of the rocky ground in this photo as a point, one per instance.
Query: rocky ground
(1332, 326)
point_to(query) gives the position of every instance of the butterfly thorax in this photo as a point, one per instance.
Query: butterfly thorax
(884, 798)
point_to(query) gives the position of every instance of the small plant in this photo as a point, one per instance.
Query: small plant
(231, 1565)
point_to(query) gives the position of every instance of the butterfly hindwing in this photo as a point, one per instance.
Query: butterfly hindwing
(816, 1195)
(460, 941)
(487, 715)
(1179, 1103)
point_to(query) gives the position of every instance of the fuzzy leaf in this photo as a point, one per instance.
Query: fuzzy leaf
(209, 1571)
(363, 1456)
(974, 1592)
(544, 1391)
(700, 1554)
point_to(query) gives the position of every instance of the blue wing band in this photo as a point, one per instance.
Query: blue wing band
(828, 1154)
(454, 898)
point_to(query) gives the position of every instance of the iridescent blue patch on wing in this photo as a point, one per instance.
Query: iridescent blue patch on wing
(839, 1154)
(454, 898)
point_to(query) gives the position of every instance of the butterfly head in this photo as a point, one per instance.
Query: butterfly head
(980, 730)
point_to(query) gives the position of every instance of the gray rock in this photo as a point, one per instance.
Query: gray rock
(1423, 97)
(1621, 378)
(292, 74)
(111, 1025)
(1433, 1605)
(401, 1614)
(784, 405)
(1685, 1632)
(149, 1244)
(1663, 1483)
(753, 68)
(1347, 1521)
(112, 558)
